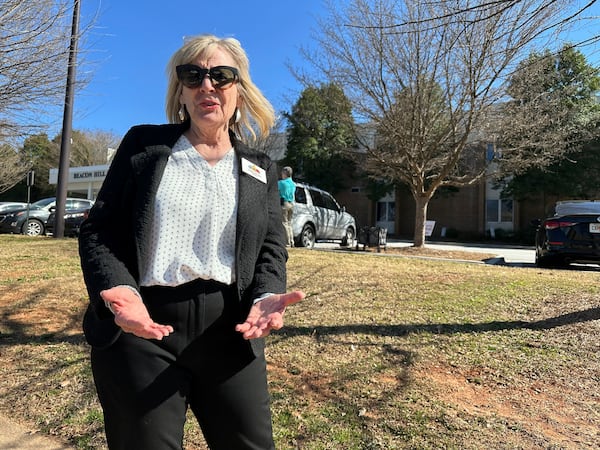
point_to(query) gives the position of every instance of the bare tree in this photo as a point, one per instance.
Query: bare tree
(427, 75)
(34, 45)
(274, 144)
(91, 147)
(13, 170)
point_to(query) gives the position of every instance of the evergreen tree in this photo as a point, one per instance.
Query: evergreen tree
(320, 136)
(554, 118)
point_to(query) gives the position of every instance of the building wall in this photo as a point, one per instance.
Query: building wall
(356, 202)
(462, 212)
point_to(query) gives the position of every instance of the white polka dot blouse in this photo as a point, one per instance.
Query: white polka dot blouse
(194, 220)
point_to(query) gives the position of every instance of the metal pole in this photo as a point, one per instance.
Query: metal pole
(30, 181)
(65, 143)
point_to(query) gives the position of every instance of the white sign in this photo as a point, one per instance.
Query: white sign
(81, 174)
(429, 225)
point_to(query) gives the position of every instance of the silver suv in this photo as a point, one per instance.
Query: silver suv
(319, 217)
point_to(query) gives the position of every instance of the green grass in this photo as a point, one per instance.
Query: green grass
(385, 353)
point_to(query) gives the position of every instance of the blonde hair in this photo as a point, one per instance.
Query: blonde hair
(256, 112)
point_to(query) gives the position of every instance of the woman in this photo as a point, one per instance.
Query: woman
(183, 256)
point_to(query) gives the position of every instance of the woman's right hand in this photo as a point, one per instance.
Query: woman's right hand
(132, 315)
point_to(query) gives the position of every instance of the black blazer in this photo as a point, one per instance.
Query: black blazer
(113, 247)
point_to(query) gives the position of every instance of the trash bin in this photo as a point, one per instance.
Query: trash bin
(372, 237)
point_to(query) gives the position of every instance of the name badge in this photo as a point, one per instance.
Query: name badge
(253, 170)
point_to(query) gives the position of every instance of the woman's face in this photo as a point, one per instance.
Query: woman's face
(211, 108)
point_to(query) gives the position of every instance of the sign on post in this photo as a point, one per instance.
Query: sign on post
(429, 225)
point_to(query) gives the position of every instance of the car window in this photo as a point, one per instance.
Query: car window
(44, 202)
(317, 198)
(330, 203)
(300, 195)
(80, 204)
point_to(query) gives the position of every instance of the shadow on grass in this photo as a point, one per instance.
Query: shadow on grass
(15, 332)
(17, 336)
(586, 315)
(44, 315)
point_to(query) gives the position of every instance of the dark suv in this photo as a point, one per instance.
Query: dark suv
(72, 222)
(319, 217)
(32, 221)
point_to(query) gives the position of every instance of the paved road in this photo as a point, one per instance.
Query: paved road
(513, 256)
(524, 256)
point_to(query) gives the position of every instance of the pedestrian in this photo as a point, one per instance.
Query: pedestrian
(183, 257)
(287, 192)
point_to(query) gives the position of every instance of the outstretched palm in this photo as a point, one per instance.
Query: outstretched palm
(267, 314)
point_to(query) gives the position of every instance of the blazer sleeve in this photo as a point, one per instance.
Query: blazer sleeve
(106, 244)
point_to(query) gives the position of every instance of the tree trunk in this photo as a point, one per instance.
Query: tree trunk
(421, 203)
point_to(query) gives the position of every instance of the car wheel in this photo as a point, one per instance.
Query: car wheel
(348, 238)
(542, 262)
(550, 262)
(307, 237)
(33, 228)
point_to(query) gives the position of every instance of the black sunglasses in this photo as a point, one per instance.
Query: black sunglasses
(222, 77)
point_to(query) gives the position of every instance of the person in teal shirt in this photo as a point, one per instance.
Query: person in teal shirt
(287, 191)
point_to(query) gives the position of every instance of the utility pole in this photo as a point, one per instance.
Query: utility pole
(65, 143)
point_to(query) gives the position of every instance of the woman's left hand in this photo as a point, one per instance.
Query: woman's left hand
(267, 314)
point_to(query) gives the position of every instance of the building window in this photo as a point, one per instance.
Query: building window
(499, 211)
(491, 211)
(490, 152)
(386, 211)
(506, 211)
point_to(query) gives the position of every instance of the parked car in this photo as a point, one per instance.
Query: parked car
(32, 220)
(6, 206)
(73, 220)
(571, 235)
(319, 217)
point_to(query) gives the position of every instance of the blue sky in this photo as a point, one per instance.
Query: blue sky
(127, 50)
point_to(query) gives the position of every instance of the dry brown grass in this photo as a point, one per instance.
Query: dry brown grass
(385, 353)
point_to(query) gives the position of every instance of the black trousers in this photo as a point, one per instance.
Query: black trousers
(145, 386)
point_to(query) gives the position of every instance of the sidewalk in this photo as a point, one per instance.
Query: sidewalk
(513, 255)
(14, 436)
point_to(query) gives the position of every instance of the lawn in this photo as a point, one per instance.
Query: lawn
(385, 353)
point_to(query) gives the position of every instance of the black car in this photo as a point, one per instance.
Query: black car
(32, 220)
(571, 235)
(14, 221)
(73, 220)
